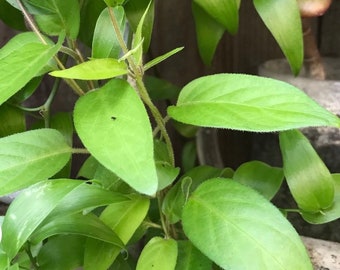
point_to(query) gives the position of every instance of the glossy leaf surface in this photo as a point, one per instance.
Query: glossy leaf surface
(29, 209)
(115, 116)
(228, 222)
(308, 178)
(282, 18)
(95, 69)
(261, 177)
(250, 103)
(23, 158)
(158, 254)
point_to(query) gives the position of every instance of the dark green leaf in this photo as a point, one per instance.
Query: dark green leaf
(12, 120)
(308, 178)
(158, 254)
(160, 89)
(282, 17)
(29, 209)
(246, 102)
(229, 222)
(113, 115)
(24, 158)
(261, 177)
(11, 16)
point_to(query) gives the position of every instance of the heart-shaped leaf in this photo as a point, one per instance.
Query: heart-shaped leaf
(113, 124)
(235, 226)
(246, 102)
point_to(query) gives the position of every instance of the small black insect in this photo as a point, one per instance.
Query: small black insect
(113, 118)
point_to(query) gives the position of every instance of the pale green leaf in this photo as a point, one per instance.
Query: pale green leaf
(158, 254)
(29, 209)
(250, 103)
(330, 214)
(115, 116)
(87, 225)
(261, 177)
(208, 31)
(229, 222)
(161, 58)
(18, 67)
(29, 157)
(190, 258)
(94, 69)
(282, 18)
(105, 43)
(224, 12)
(308, 178)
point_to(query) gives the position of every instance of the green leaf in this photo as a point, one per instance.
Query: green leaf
(160, 89)
(29, 157)
(161, 58)
(135, 10)
(87, 225)
(229, 222)
(330, 214)
(208, 31)
(11, 16)
(123, 218)
(19, 66)
(12, 120)
(113, 116)
(190, 258)
(250, 103)
(282, 18)
(158, 254)
(308, 178)
(29, 209)
(95, 69)
(261, 177)
(62, 252)
(105, 43)
(57, 16)
(224, 12)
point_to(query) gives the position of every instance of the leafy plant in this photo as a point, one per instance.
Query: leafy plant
(134, 192)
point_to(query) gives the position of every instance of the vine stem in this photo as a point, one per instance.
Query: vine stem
(138, 73)
(72, 83)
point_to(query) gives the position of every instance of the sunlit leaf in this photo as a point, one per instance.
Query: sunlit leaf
(229, 222)
(246, 102)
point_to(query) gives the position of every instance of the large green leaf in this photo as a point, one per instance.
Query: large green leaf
(95, 69)
(190, 258)
(224, 12)
(19, 66)
(282, 17)
(246, 102)
(30, 157)
(236, 227)
(208, 31)
(29, 209)
(329, 214)
(308, 178)
(158, 254)
(113, 124)
(261, 177)
(105, 43)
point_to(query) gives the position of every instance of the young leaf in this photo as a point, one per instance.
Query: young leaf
(115, 116)
(87, 225)
(224, 12)
(261, 177)
(95, 69)
(105, 43)
(282, 18)
(18, 67)
(308, 178)
(158, 254)
(62, 252)
(24, 158)
(330, 214)
(161, 58)
(190, 258)
(246, 102)
(229, 222)
(29, 209)
(208, 31)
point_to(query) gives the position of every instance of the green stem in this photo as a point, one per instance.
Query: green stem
(80, 151)
(32, 259)
(46, 108)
